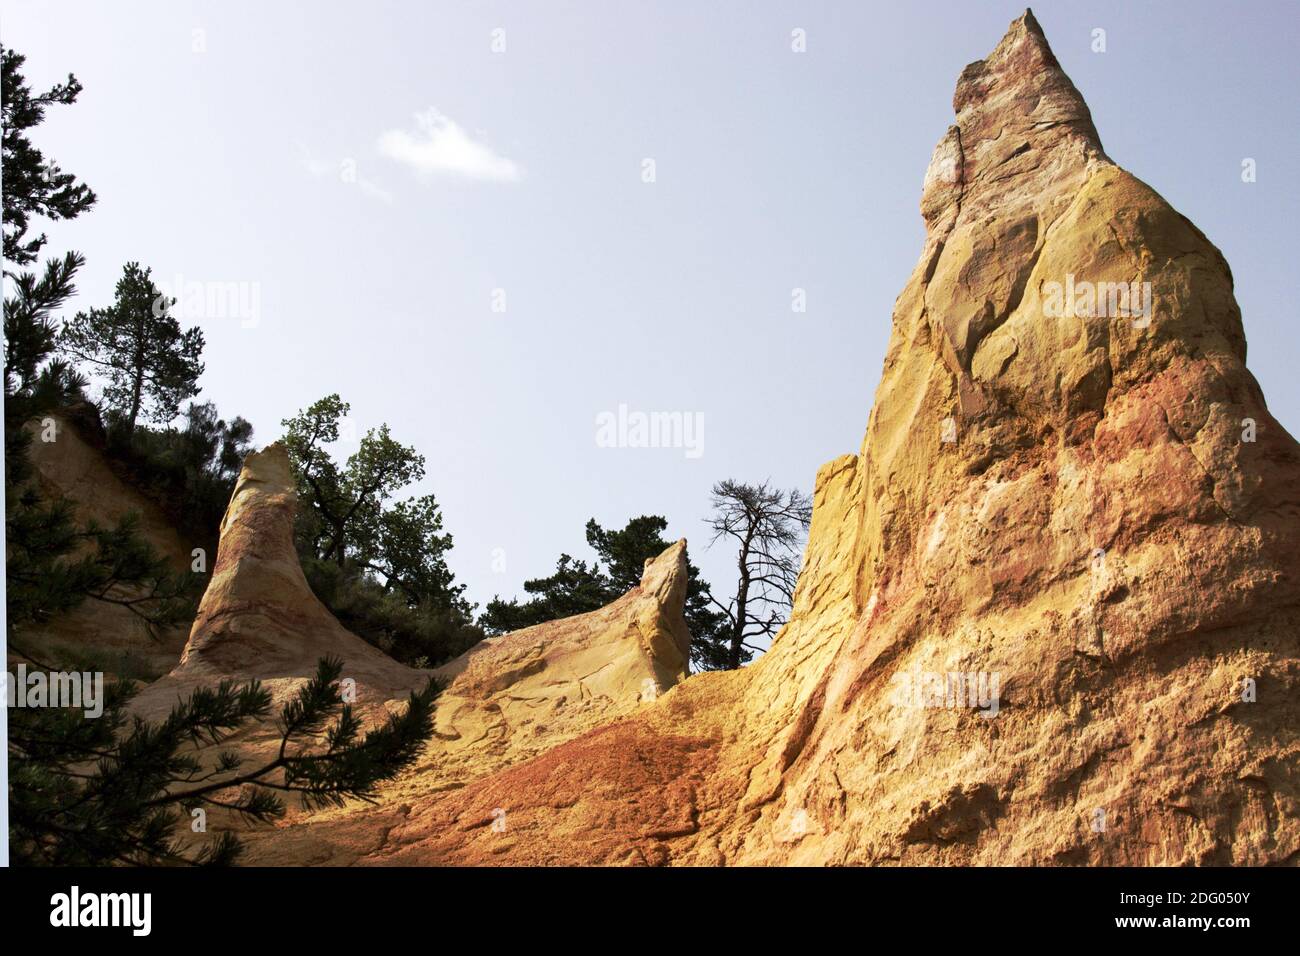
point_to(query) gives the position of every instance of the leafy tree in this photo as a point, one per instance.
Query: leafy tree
(767, 526)
(402, 545)
(33, 185)
(92, 792)
(137, 346)
(347, 516)
(576, 588)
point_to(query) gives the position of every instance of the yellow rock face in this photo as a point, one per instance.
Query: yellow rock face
(512, 697)
(1048, 614)
(505, 700)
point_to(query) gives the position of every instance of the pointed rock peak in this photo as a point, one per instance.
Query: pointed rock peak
(265, 472)
(1020, 70)
(665, 579)
(670, 562)
(1018, 115)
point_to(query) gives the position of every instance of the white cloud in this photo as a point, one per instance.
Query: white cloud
(441, 147)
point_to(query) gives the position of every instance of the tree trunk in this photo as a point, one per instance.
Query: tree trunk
(136, 394)
(742, 598)
(337, 544)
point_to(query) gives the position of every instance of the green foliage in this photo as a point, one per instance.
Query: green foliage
(33, 185)
(34, 383)
(625, 552)
(378, 564)
(137, 347)
(347, 514)
(577, 588)
(203, 445)
(418, 636)
(92, 792)
(189, 469)
(53, 564)
(403, 546)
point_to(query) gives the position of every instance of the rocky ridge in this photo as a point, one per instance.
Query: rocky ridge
(503, 701)
(1049, 612)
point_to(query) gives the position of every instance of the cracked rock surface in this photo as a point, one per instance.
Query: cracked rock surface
(1048, 614)
(1089, 509)
(504, 701)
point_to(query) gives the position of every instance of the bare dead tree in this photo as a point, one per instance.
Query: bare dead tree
(768, 526)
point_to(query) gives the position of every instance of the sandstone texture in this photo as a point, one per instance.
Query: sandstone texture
(259, 618)
(106, 636)
(1049, 614)
(507, 700)
(1089, 510)
(504, 701)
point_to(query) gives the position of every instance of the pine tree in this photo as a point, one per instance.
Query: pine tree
(148, 364)
(577, 588)
(53, 564)
(93, 792)
(33, 185)
(767, 526)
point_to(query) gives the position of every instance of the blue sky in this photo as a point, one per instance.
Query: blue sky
(375, 172)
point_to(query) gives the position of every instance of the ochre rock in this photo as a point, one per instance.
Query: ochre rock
(1096, 511)
(505, 700)
(106, 636)
(258, 617)
(512, 697)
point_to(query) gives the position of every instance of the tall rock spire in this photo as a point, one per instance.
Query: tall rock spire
(1050, 614)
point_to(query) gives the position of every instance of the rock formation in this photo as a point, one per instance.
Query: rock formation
(259, 618)
(505, 700)
(1049, 613)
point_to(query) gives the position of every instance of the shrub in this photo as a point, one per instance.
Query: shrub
(420, 636)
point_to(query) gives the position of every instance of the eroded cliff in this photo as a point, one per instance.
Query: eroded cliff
(504, 701)
(1049, 612)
